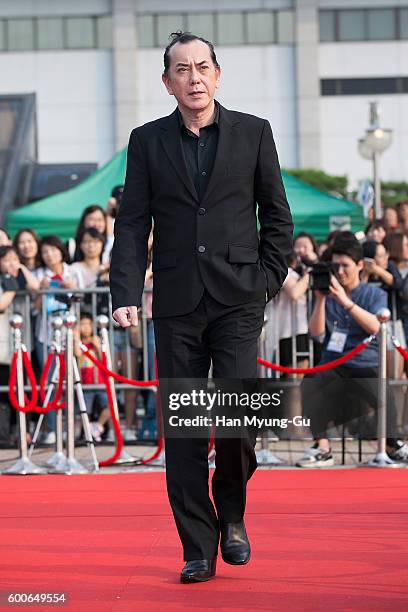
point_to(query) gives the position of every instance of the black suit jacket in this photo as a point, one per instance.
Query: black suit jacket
(212, 243)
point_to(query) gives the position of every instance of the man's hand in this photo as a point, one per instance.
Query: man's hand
(338, 292)
(126, 316)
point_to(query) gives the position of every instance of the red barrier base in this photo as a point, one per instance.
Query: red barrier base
(322, 540)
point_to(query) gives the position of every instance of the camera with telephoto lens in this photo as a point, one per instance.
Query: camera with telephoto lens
(321, 274)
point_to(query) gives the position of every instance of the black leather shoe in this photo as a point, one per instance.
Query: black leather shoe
(235, 547)
(199, 570)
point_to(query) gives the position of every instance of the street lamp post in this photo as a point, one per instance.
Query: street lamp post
(375, 142)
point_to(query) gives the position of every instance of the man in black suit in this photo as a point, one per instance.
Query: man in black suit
(200, 174)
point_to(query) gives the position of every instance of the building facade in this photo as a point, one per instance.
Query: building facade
(309, 66)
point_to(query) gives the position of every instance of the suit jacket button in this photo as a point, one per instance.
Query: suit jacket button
(201, 211)
(201, 249)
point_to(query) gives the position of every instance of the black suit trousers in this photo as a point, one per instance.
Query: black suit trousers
(186, 345)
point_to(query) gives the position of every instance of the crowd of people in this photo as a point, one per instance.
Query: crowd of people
(29, 264)
(368, 270)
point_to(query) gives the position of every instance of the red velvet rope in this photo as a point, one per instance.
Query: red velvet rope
(401, 350)
(116, 424)
(12, 387)
(103, 368)
(319, 368)
(44, 376)
(54, 404)
(31, 404)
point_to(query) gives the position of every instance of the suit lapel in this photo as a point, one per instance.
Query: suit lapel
(172, 144)
(171, 141)
(228, 128)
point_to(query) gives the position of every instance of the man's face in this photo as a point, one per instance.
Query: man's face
(348, 270)
(192, 77)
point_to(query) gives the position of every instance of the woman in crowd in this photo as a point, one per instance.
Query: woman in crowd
(93, 216)
(27, 245)
(5, 239)
(54, 272)
(14, 276)
(383, 272)
(402, 208)
(305, 248)
(390, 219)
(292, 316)
(376, 231)
(13, 271)
(89, 268)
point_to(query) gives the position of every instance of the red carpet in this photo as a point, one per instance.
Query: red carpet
(322, 540)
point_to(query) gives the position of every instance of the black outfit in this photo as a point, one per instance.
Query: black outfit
(341, 395)
(211, 277)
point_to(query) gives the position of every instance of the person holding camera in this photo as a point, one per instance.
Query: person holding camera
(343, 316)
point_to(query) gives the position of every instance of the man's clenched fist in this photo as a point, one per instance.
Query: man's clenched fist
(126, 316)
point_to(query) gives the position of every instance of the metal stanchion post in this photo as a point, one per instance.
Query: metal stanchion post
(24, 465)
(58, 459)
(382, 459)
(84, 415)
(103, 324)
(264, 456)
(72, 466)
(160, 460)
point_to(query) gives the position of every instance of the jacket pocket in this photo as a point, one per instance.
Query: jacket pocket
(242, 254)
(164, 259)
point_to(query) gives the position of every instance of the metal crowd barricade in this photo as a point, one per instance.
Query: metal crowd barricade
(75, 307)
(24, 465)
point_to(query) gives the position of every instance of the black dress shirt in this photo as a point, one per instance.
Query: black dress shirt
(199, 152)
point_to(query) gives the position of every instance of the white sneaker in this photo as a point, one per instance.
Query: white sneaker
(316, 458)
(311, 452)
(49, 437)
(400, 454)
(129, 435)
(96, 431)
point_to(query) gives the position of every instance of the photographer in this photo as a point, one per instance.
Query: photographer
(344, 317)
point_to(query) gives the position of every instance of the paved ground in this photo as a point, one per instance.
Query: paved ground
(287, 450)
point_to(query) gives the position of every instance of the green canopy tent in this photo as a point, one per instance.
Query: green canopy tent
(59, 214)
(313, 211)
(318, 212)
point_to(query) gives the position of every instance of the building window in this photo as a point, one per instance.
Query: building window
(201, 24)
(381, 24)
(166, 24)
(230, 28)
(260, 27)
(403, 23)
(20, 35)
(286, 27)
(80, 33)
(364, 87)
(104, 32)
(2, 35)
(351, 25)
(50, 33)
(327, 25)
(145, 31)
(363, 24)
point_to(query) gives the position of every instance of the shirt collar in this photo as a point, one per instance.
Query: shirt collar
(216, 117)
